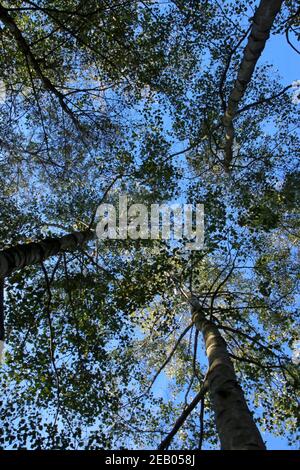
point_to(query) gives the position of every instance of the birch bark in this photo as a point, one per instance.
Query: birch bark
(27, 254)
(235, 425)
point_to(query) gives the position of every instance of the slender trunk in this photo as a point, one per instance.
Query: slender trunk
(262, 23)
(235, 425)
(19, 256)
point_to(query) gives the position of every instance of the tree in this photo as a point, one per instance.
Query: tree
(259, 34)
(104, 99)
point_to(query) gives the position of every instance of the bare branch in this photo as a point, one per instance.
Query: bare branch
(166, 362)
(201, 423)
(289, 41)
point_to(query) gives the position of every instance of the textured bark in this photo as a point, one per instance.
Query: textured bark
(262, 23)
(235, 425)
(27, 254)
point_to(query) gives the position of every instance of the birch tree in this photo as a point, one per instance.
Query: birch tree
(139, 343)
(260, 31)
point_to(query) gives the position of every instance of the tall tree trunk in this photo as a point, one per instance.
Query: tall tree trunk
(235, 425)
(19, 256)
(262, 23)
(8, 20)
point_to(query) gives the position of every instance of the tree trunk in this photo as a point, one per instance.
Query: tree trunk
(19, 256)
(1, 318)
(262, 23)
(235, 425)
(25, 49)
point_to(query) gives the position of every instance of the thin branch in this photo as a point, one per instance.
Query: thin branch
(27, 52)
(185, 414)
(166, 362)
(245, 335)
(222, 283)
(263, 100)
(289, 41)
(254, 362)
(51, 340)
(2, 309)
(202, 406)
(79, 39)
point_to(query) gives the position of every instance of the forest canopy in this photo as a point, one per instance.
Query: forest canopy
(142, 343)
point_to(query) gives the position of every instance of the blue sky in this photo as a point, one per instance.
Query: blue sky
(284, 59)
(280, 54)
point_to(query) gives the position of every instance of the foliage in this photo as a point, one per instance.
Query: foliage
(107, 98)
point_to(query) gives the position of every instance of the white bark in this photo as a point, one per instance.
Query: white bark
(262, 23)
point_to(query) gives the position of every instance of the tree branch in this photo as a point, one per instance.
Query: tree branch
(27, 52)
(27, 254)
(201, 423)
(264, 100)
(289, 41)
(170, 355)
(186, 412)
(2, 331)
